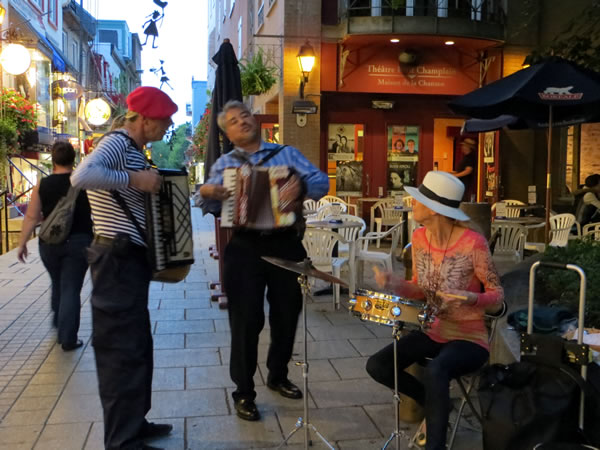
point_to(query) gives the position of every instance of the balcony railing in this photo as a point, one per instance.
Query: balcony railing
(491, 11)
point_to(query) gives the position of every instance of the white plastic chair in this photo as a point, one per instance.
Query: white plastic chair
(593, 230)
(560, 228)
(510, 212)
(319, 245)
(384, 258)
(510, 242)
(384, 214)
(351, 234)
(333, 199)
(330, 209)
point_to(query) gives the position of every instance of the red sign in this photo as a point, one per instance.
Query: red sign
(420, 71)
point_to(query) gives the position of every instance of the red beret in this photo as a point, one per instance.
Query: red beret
(151, 102)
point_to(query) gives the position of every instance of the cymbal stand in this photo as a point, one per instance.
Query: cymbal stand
(397, 433)
(304, 422)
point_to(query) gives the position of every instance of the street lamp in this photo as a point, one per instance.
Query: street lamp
(306, 61)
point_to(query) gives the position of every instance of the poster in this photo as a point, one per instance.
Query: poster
(403, 143)
(490, 181)
(488, 148)
(341, 142)
(400, 174)
(348, 178)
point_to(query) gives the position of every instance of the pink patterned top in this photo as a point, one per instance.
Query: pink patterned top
(464, 266)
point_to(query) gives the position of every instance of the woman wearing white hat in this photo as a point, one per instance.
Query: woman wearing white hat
(450, 264)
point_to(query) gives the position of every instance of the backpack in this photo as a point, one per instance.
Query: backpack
(56, 227)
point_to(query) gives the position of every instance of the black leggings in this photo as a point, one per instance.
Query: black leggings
(449, 360)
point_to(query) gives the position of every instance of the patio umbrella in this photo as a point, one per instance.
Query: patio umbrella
(228, 86)
(516, 123)
(555, 90)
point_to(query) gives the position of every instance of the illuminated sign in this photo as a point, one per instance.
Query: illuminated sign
(97, 112)
(69, 90)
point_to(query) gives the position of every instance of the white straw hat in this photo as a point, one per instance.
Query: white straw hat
(441, 192)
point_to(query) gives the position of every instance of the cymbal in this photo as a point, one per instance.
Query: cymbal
(305, 268)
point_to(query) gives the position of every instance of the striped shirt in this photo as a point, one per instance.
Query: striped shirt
(315, 181)
(105, 170)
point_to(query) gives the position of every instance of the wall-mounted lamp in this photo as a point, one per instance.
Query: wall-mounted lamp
(306, 61)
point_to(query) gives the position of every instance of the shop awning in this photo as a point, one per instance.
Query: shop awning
(58, 63)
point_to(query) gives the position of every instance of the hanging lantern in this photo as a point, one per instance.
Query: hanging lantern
(97, 112)
(15, 59)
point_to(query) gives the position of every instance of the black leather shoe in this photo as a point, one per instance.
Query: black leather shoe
(286, 388)
(152, 430)
(72, 346)
(246, 409)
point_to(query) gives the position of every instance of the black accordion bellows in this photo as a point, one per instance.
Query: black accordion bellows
(169, 227)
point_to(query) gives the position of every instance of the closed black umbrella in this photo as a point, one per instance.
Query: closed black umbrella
(228, 86)
(553, 91)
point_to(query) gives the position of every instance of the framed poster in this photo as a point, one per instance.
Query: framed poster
(400, 174)
(341, 142)
(402, 143)
(348, 178)
(488, 147)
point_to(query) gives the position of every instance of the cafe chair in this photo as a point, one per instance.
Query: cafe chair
(330, 210)
(466, 384)
(350, 234)
(384, 214)
(333, 199)
(592, 230)
(377, 257)
(510, 212)
(560, 230)
(510, 242)
(319, 245)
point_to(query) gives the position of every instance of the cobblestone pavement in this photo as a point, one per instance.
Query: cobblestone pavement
(49, 399)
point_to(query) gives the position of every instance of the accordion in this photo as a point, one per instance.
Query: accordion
(255, 200)
(169, 227)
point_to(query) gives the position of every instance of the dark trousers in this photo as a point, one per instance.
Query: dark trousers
(122, 341)
(246, 276)
(450, 360)
(67, 264)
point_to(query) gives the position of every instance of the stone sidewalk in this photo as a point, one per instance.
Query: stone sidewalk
(49, 398)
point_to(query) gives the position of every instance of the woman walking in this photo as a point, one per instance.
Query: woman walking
(65, 262)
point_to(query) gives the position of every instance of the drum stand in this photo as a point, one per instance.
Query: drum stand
(304, 422)
(397, 433)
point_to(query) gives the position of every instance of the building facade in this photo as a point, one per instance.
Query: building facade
(384, 74)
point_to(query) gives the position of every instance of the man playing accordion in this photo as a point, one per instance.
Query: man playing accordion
(246, 274)
(117, 176)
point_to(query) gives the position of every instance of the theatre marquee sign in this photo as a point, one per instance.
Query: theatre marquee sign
(430, 73)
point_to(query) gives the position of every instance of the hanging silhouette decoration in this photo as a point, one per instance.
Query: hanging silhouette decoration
(164, 79)
(151, 27)
(161, 5)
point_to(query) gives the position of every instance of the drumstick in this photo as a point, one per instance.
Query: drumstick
(459, 297)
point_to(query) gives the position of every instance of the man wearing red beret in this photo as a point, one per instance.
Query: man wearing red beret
(117, 177)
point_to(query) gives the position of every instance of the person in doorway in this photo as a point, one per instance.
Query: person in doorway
(117, 177)
(467, 168)
(588, 209)
(246, 274)
(450, 264)
(65, 262)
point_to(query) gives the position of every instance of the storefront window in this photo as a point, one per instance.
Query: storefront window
(402, 156)
(345, 158)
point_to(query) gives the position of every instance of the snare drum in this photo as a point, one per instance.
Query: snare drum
(385, 309)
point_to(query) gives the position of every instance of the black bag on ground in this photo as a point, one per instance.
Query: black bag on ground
(56, 227)
(530, 402)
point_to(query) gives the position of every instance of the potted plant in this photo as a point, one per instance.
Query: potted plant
(256, 75)
(561, 287)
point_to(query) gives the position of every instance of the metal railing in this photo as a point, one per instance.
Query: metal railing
(491, 11)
